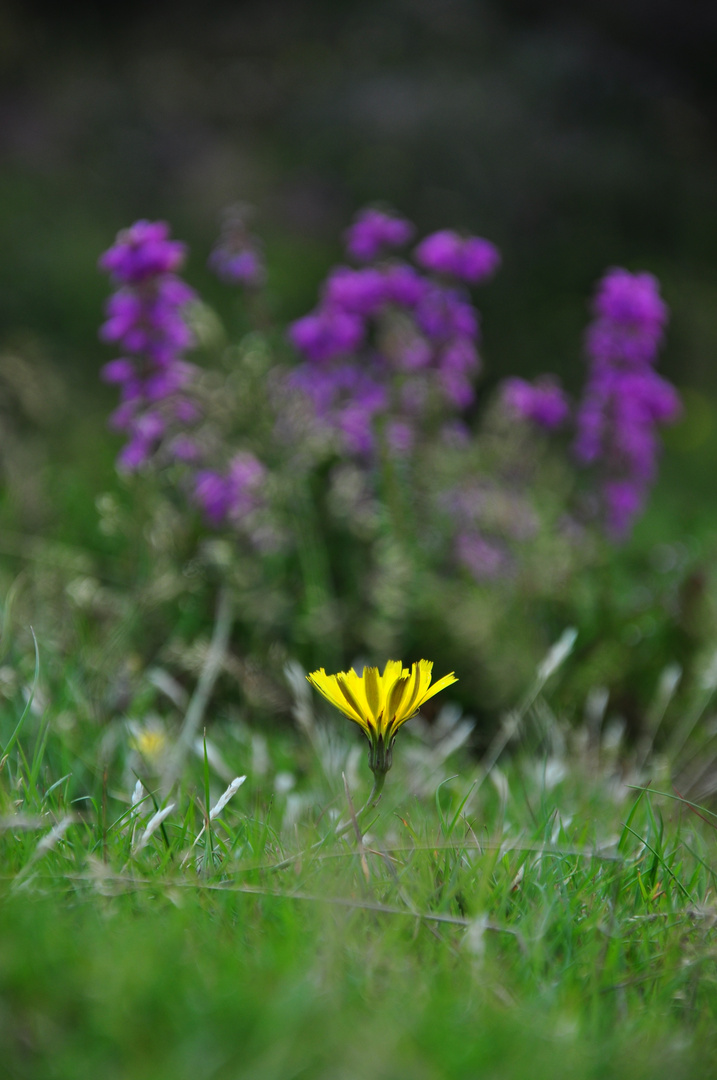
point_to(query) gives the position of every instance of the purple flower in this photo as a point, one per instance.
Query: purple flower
(623, 502)
(389, 340)
(143, 251)
(440, 252)
(236, 258)
(238, 268)
(246, 476)
(403, 285)
(479, 260)
(326, 333)
(484, 559)
(134, 455)
(543, 402)
(211, 491)
(459, 355)
(359, 292)
(373, 232)
(229, 497)
(146, 318)
(630, 318)
(355, 423)
(631, 300)
(445, 313)
(471, 259)
(346, 398)
(119, 372)
(624, 398)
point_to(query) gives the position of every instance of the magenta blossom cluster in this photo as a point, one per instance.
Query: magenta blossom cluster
(374, 232)
(230, 496)
(145, 318)
(490, 519)
(388, 341)
(625, 400)
(237, 258)
(543, 402)
(471, 259)
(158, 410)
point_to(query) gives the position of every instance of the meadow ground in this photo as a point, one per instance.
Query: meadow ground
(545, 913)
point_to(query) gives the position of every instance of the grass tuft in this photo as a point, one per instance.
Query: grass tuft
(556, 922)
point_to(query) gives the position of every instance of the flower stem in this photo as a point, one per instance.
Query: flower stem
(379, 780)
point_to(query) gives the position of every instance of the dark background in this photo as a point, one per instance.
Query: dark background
(576, 136)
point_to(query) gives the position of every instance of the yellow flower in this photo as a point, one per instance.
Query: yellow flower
(380, 704)
(151, 742)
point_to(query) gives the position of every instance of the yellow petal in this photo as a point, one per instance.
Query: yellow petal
(328, 685)
(358, 709)
(447, 680)
(373, 688)
(393, 704)
(392, 671)
(420, 681)
(356, 686)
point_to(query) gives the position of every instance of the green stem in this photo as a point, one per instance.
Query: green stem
(379, 779)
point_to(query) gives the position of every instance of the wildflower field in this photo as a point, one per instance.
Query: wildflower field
(351, 728)
(358, 541)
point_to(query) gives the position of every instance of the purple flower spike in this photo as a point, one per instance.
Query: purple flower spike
(373, 232)
(630, 320)
(624, 399)
(237, 258)
(543, 403)
(145, 316)
(389, 343)
(143, 251)
(631, 299)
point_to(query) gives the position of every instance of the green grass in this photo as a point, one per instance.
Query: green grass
(537, 919)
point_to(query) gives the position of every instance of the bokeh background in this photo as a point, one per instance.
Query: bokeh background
(574, 136)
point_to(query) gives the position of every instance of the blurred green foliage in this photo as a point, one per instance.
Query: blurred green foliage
(574, 140)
